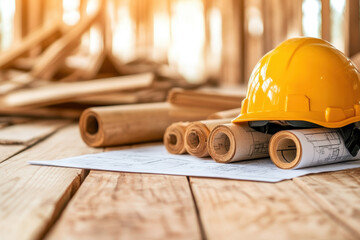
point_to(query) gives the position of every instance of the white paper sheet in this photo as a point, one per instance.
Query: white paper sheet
(321, 146)
(155, 159)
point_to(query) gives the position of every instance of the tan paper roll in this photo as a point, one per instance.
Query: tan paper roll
(231, 113)
(126, 124)
(215, 98)
(174, 137)
(197, 134)
(235, 142)
(292, 149)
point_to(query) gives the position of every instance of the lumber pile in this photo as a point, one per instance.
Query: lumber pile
(62, 79)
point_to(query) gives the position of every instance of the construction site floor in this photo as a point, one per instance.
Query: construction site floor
(63, 203)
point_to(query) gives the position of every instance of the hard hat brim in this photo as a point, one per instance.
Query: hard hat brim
(293, 117)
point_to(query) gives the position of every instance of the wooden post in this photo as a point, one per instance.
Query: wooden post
(232, 69)
(352, 28)
(325, 20)
(253, 35)
(279, 27)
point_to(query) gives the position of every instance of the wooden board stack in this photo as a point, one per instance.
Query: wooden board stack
(62, 79)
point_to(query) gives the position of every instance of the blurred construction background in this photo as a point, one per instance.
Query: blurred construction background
(185, 43)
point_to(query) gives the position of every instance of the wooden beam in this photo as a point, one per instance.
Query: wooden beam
(254, 35)
(232, 66)
(50, 61)
(31, 41)
(325, 20)
(64, 92)
(352, 27)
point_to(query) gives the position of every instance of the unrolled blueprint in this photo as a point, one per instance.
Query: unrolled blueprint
(155, 159)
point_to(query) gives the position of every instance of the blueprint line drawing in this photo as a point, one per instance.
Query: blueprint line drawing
(155, 159)
(259, 143)
(321, 146)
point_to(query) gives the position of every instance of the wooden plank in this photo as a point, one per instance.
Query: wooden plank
(10, 120)
(31, 41)
(338, 194)
(45, 112)
(7, 151)
(32, 197)
(50, 61)
(6, 121)
(63, 92)
(19, 81)
(254, 210)
(29, 133)
(129, 206)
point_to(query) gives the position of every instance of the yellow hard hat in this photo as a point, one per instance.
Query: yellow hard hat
(303, 79)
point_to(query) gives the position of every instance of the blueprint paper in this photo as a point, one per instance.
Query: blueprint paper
(155, 159)
(321, 146)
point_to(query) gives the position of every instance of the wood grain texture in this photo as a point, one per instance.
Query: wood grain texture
(50, 61)
(9, 150)
(254, 210)
(29, 133)
(31, 197)
(28, 43)
(113, 205)
(64, 92)
(338, 194)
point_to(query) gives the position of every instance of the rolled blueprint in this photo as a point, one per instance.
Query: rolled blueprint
(134, 123)
(235, 142)
(302, 148)
(174, 137)
(197, 134)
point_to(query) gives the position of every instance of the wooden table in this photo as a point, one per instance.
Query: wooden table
(59, 203)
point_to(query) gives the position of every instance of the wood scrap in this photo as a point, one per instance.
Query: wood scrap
(85, 67)
(63, 92)
(111, 99)
(44, 112)
(32, 40)
(24, 63)
(11, 120)
(16, 82)
(50, 61)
